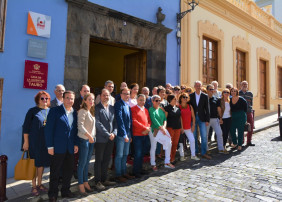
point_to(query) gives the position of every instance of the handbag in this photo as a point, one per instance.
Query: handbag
(25, 168)
(247, 127)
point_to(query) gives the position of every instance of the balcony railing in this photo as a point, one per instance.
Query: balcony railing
(253, 10)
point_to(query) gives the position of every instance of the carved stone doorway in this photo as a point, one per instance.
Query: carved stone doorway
(87, 20)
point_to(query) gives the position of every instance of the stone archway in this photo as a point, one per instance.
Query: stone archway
(87, 20)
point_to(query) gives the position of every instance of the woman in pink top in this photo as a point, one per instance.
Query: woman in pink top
(187, 116)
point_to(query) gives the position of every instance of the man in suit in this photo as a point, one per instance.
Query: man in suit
(109, 85)
(106, 131)
(58, 100)
(83, 91)
(199, 102)
(61, 141)
(123, 139)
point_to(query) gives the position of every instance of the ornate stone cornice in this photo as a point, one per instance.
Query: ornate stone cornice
(237, 16)
(95, 8)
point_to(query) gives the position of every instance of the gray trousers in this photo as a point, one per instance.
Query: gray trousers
(214, 123)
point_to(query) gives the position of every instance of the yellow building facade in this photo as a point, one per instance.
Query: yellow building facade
(235, 26)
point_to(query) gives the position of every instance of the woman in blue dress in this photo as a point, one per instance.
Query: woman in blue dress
(34, 139)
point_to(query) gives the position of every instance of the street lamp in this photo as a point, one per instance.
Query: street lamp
(192, 4)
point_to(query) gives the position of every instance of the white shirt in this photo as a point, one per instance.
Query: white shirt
(59, 102)
(142, 108)
(226, 113)
(107, 109)
(132, 102)
(69, 115)
(198, 97)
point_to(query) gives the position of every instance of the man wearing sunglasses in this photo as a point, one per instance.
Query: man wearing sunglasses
(215, 110)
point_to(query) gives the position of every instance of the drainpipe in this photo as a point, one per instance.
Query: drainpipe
(178, 38)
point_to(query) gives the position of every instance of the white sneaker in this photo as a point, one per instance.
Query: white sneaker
(182, 158)
(195, 158)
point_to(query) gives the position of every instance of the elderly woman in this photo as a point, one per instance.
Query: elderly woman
(225, 116)
(86, 134)
(158, 120)
(34, 139)
(173, 124)
(238, 107)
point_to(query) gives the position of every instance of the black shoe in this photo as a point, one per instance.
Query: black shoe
(68, 195)
(89, 174)
(138, 175)
(144, 172)
(250, 144)
(75, 175)
(52, 199)
(83, 194)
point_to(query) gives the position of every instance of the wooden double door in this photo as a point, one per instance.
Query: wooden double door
(135, 68)
(262, 81)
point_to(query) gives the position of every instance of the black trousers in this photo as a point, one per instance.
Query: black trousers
(103, 152)
(225, 127)
(61, 165)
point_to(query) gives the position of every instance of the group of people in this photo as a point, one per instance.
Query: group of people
(62, 133)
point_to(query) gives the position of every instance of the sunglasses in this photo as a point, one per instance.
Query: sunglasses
(183, 88)
(184, 97)
(157, 100)
(176, 89)
(225, 92)
(46, 98)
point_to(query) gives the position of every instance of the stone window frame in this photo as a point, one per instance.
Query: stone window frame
(1, 94)
(207, 29)
(263, 54)
(241, 44)
(3, 10)
(278, 64)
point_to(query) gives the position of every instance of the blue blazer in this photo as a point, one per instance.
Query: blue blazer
(58, 133)
(124, 119)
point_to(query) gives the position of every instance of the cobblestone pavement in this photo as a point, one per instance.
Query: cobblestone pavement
(255, 174)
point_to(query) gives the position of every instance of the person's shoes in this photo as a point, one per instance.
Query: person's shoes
(182, 158)
(169, 165)
(75, 175)
(209, 152)
(109, 183)
(42, 188)
(34, 191)
(250, 144)
(100, 186)
(239, 148)
(234, 146)
(83, 194)
(129, 177)
(144, 172)
(206, 156)
(89, 174)
(195, 158)
(223, 151)
(68, 195)
(52, 199)
(89, 190)
(138, 175)
(121, 179)
(155, 168)
(173, 162)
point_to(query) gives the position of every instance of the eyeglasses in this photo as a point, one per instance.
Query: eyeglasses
(60, 91)
(184, 97)
(225, 92)
(211, 89)
(42, 98)
(228, 86)
(176, 89)
(189, 91)
(126, 93)
(157, 100)
(183, 88)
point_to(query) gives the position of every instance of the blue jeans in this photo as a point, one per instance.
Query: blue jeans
(85, 152)
(122, 150)
(140, 147)
(203, 132)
